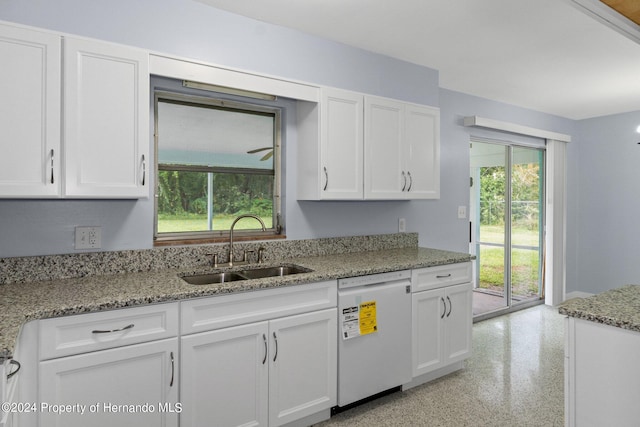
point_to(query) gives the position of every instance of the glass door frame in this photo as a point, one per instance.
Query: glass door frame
(508, 230)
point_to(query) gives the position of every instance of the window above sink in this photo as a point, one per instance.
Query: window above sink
(216, 158)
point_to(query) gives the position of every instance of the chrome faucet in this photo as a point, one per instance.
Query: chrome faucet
(233, 224)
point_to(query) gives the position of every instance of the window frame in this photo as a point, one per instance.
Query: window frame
(219, 101)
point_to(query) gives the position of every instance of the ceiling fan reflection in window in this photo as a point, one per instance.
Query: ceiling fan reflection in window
(267, 156)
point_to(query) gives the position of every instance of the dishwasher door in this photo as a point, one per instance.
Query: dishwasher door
(380, 360)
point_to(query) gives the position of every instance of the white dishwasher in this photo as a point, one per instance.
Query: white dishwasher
(374, 336)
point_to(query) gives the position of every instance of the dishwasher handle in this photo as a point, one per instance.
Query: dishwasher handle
(374, 279)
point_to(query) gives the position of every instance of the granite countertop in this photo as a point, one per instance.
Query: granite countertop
(23, 302)
(617, 307)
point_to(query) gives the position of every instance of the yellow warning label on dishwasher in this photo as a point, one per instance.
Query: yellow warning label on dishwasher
(359, 320)
(368, 321)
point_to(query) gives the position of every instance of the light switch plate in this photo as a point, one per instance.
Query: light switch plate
(88, 238)
(462, 212)
(402, 225)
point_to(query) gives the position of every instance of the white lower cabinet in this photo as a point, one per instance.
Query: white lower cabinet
(441, 327)
(225, 377)
(266, 358)
(267, 373)
(442, 319)
(303, 366)
(133, 386)
(602, 375)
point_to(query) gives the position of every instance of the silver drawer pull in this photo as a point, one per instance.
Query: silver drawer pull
(52, 181)
(173, 369)
(264, 338)
(12, 373)
(443, 276)
(326, 179)
(144, 170)
(275, 338)
(98, 331)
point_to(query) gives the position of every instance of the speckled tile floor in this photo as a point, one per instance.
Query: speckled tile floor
(514, 378)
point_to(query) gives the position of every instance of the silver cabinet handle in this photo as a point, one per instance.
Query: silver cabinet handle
(144, 169)
(275, 338)
(52, 152)
(98, 331)
(326, 179)
(450, 306)
(444, 276)
(444, 306)
(410, 181)
(173, 369)
(264, 338)
(12, 373)
(404, 181)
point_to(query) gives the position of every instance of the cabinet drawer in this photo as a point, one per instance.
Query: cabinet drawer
(64, 336)
(443, 275)
(211, 313)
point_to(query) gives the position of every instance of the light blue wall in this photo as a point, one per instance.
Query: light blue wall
(454, 106)
(191, 29)
(605, 229)
(194, 30)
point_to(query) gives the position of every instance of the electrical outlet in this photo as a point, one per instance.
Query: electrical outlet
(402, 225)
(462, 212)
(88, 238)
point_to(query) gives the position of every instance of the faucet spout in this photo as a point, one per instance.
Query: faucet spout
(233, 224)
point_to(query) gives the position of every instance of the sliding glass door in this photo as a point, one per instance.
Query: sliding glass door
(507, 183)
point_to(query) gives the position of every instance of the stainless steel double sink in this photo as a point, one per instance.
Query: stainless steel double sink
(248, 274)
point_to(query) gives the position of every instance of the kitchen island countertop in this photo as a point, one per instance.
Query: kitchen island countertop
(617, 307)
(23, 302)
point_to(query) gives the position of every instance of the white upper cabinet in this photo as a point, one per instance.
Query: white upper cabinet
(106, 130)
(29, 113)
(385, 177)
(402, 150)
(99, 148)
(353, 147)
(332, 168)
(421, 149)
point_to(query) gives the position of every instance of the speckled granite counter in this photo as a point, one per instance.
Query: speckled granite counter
(617, 307)
(22, 302)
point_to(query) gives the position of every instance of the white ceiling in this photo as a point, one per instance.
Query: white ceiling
(545, 55)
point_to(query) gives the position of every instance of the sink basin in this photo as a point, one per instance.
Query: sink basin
(283, 270)
(207, 279)
(253, 273)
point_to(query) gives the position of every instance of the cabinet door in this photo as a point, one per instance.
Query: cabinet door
(225, 377)
(603, 372)
(458, 323)
(341, 145)
(428, 311)
(421, 148)
(303, 371)
(106, 131)
(30, 79)
(108, 383)
(383, 164)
